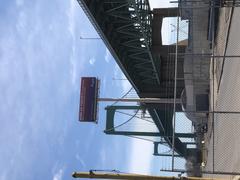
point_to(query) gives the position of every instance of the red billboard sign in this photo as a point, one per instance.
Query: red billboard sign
(88, 99)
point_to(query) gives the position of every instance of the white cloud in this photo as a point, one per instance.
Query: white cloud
(19, 2)
(58, 175)
(73, 66)
(78, 157)
(30, 62)
(92, 61)
(107, 55)
(21, 22)
(141, 157)
(71, 13)
(71, 18)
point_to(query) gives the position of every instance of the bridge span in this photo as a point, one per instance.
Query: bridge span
(132, 33)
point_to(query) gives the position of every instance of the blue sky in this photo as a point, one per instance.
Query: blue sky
(41, 61)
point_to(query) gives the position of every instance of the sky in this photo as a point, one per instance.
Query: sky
(41, 61)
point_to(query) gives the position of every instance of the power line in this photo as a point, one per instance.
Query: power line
(135, 116)
(122, 123)
(123, 96)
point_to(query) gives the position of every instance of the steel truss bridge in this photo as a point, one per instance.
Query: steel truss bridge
(125, 26)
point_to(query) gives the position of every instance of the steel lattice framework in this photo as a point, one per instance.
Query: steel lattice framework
(126, 27)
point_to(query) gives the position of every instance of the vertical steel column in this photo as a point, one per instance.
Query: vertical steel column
(213, 71)
(175, 93)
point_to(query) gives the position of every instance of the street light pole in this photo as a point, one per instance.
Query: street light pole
(89, 38)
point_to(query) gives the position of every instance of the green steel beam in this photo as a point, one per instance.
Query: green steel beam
(110, 128)
(130, 37)
(150, 134)
(143, 6)
(103, 36)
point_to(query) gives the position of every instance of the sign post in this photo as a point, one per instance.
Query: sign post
(89, 98)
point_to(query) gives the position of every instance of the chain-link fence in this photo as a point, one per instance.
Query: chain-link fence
(211, 96)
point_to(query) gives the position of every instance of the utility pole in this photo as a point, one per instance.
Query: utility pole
(98, 175)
